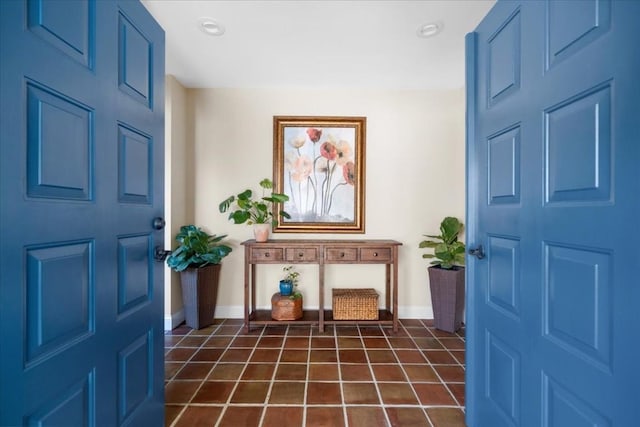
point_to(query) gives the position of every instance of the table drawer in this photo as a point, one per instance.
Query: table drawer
(301, 254)
(267, 254)
(340, 254)
(375, 254)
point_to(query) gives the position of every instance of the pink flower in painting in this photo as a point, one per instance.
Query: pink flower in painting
(343, 150)
(328, 151)
(349, 172)
(301, 168)
(314, 134)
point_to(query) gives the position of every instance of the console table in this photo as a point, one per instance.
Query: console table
(320, 252)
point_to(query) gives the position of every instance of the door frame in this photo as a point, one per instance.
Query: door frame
(472, 198)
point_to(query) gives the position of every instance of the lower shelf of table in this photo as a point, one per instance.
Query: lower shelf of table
(311, 317)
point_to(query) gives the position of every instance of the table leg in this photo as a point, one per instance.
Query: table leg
(321, 299)
(247, 280)
(395, 289)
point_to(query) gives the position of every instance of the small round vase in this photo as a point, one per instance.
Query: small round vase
(286, 288)
(261, 232)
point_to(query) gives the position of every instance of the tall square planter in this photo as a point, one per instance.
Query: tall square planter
(199, 294)
(447, 297)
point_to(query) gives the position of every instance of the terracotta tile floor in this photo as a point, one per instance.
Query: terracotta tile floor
(289, 376)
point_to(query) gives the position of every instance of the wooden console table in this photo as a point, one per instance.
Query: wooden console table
(320, 252)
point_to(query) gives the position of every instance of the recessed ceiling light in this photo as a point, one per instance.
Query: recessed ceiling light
(210, 26)
(429, 30)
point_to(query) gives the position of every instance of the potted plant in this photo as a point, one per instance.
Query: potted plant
(197, 258)
(446, 274)
(246, 209)
(289, 284)
(287, 304)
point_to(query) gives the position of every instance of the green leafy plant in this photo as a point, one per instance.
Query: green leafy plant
(245, 209)
(293, 276)
(196, 249)
(448, 251)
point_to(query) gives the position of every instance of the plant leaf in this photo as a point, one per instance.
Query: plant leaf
(279, 198)
(224, 206)
(433, 237)
(428, 244)
(239, 217)
(285, 214)
(266, 183)
(450, 228)
(245, 195)
(215, 239)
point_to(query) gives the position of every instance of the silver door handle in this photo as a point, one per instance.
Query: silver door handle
(160, 254)
(477, 252)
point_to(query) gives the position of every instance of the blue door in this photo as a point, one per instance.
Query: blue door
(81, 163)
(553, 177)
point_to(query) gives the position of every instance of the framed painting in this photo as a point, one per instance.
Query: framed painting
(319, 164)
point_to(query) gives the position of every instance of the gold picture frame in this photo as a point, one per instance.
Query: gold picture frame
(319, 162)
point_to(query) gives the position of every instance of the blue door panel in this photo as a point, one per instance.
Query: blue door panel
(54, 324)
(563, 408)
(135, 53)
(503, 374)
(135, 278)
(135, 376)
(589, 20)
(578, 132)
(503, 284)
(577, 302)
(74, 407)
(504, 166)
(59, 131)
(69, 29)
(503, 56)
(81, 298)
(135, 166)
(553, 182)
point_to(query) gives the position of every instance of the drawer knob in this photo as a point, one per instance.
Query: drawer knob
(267, 255)
(341, 254)
(300, 254)
(375, 254)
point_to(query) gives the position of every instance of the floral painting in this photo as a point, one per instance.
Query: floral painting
(320, 165)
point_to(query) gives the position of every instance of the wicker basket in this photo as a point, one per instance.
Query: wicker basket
(355, 304)
(285, 308)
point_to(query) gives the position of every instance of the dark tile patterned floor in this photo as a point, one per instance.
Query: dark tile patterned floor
(289, 376)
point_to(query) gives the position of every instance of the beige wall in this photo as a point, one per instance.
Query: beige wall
(414, 177)
(179, 179)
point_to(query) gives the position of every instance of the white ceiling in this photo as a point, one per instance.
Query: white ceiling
(318, 44)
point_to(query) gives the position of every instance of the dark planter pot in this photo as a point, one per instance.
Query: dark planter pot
(447, 297)
(286, 288)
(199, 294)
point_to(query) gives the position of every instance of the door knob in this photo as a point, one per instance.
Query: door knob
(158, 223)
(477, 252)
(160, 254)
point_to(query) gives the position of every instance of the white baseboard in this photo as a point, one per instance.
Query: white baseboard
(171, 322)
(413, 312)
(224, 312)
(237, 312)
(230, 312)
